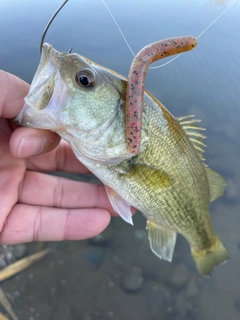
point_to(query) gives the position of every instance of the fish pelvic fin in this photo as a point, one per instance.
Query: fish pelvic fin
(162, 240)
(119, 205)
(217, 184)
(206, 260)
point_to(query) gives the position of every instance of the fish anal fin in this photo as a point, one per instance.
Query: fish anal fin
(119, 205)
(162, 240)
(217, 184)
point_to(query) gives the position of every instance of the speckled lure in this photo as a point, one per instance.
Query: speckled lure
(136, 80)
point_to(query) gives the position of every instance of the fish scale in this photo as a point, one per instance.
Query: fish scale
(167, 180)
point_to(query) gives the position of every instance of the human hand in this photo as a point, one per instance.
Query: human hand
(35, 206)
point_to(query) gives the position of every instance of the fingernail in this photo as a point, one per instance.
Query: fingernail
(31, 146)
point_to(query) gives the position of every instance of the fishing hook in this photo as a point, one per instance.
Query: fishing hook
(49, 23)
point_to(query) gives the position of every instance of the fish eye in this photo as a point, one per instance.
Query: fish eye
(85, 78)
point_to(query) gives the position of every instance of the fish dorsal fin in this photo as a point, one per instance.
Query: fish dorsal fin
(217, 184)
(194, 133)
(119, 205)
(162, 240)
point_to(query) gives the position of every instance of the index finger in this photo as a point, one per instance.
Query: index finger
(12, 93)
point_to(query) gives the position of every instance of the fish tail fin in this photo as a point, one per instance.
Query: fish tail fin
(207, 259)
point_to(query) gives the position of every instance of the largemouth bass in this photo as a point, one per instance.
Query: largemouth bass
(167, 181)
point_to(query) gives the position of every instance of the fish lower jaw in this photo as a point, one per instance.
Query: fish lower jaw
(91, 161)
(33, 118)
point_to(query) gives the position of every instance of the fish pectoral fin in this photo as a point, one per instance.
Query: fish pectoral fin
(217, 184)
(119, 205)
(151, 178)
(162, 240)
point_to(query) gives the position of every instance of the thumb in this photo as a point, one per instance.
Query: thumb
(27, 142)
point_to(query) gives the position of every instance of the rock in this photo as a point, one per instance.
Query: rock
(157, 295)
(6, 256)
(36, 310)
(192, 289)
(179, 276)
(103, 239)
(19, 250)
(133, 280)
(63, 312)
(218, 300)
(180, 306)
(140, 234)
(93, 256)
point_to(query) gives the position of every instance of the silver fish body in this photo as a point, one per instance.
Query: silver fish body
(167, 181)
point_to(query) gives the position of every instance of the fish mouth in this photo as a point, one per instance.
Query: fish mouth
(40, 108)
(43, 82)
(48, 54)
(43, 91)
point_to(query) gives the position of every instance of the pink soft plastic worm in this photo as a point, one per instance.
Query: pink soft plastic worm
(136, 80)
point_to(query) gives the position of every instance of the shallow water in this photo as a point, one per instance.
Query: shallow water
(90, 280)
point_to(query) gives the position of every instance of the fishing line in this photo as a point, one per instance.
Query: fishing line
(216, 19)
(164, 64)
(117, 25)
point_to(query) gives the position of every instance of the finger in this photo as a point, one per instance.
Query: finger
(36, 223)
(12, 92)
(26, 142)
(61, 158)
(52, 191)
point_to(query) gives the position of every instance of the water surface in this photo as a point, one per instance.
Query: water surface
(204, 82)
